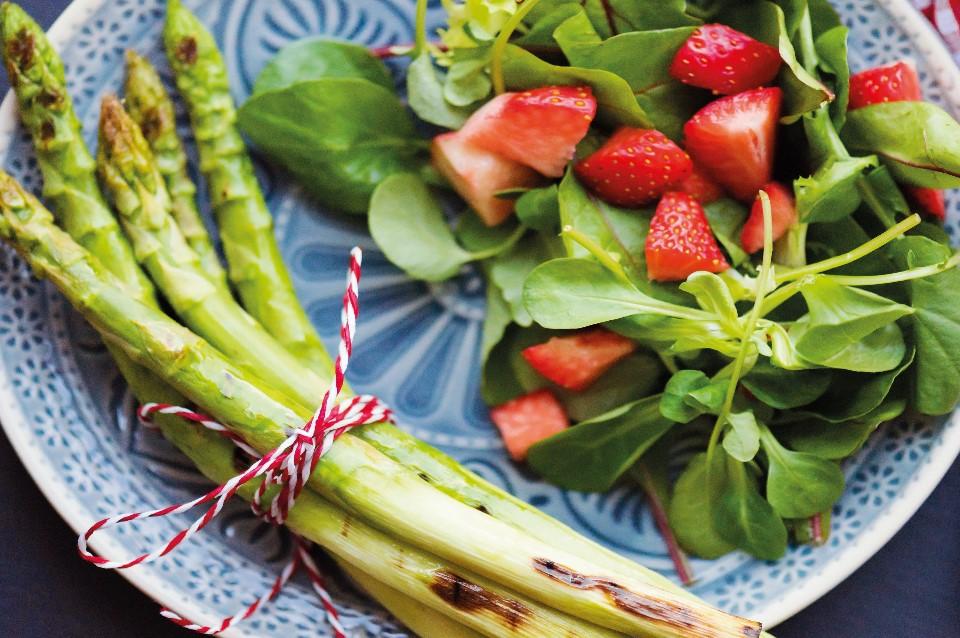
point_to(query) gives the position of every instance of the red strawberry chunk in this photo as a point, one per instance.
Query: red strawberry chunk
(539, 128)
(930, 200)
(733, 139)
(634, 167)
(477, 175)
(701, 186)
(725, 60)
(783, 213)
(527, 420)
(680, 241)
(897, 82)
(577, 361)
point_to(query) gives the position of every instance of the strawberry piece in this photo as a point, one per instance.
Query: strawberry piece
(733, 139)
(680, 241)
(577, 361)
(539, 128)
(701, 186)
(930, 200)
(477, 174)
(783, 213)
(725, 60)
(634, 167)
(897, 82)
(527, 420)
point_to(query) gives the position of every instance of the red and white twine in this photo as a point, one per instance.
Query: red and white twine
(289, 466)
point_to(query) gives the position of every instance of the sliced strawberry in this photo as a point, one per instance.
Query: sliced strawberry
(634, 167)
(897, 82)
(539, 128)
(733, 139)
(680, 241)
(576, 361)
(527, 420)
(783, 212)
(477, 175)
(724, 60)
(930, 200)
(701, 186)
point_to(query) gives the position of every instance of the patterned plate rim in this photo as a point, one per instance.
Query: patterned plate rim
(926, 42)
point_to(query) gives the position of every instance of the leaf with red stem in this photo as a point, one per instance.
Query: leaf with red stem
(679, 558)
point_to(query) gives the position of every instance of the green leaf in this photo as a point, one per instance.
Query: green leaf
(831, 46)
(918, 141)
(745, 519)
(849, 328)
(662, 333)
(340, 136)
(829, 239)
(509, 271)
(765, 21)
(726, 217)
(495, 322)
(498, 381)
(612, 17)
(713, 295)
(467, 81)
(667, 102)
(477, 237)
(936, 325)
(616, 105)
(742, 440)
(786, 389)
(425, 94)
(838, 440)
(831, 193)
(316, 58)
(408, 225)
(621, 233)
(887, 194)
(673, 403)
(539, 208)
(799, 484)
(574, 293)
(590, 457)
(690, 510)
(543, 21)
(854, 395)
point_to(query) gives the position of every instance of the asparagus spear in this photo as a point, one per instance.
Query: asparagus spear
(149, 104)
(379, 558)
(353, 475)
(420, 619)
(69, 180)
(130, 174)
(246, 226)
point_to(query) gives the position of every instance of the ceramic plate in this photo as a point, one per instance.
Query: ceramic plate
(69, 416)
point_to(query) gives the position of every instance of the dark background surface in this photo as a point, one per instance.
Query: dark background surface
(910, 589)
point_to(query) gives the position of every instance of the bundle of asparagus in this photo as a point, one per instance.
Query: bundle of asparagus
(448, 553)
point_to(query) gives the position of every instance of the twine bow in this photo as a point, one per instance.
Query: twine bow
(289, 466)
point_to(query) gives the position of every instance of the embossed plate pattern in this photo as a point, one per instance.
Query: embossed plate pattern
(69, 417)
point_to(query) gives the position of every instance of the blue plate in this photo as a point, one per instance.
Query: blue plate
(70, 418)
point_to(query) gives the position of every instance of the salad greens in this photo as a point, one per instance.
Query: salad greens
(778, 368)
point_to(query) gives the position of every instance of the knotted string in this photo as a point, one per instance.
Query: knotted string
(289, 466)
